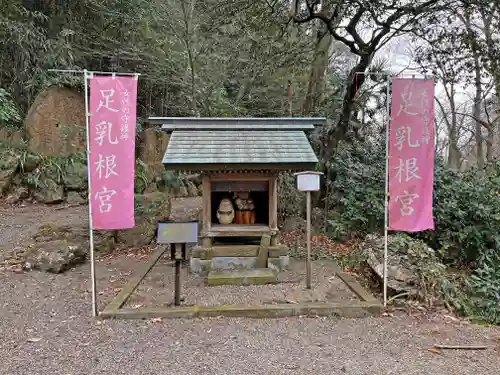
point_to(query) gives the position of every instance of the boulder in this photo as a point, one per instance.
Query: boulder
(104, 241)
(55, 122)
(55, 256)
(45, 183)
(149, 209)
(152, 145)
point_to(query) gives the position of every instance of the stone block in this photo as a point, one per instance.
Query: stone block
(258, 276)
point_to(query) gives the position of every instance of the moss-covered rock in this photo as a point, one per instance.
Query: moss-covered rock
(145, 178)
(55, 256)
(48, 191)
(9, 164)
(413, 267)
(104, 241)
(74, 176)
(30, 162)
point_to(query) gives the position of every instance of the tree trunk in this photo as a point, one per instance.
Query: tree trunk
(476, 110)
(490, 139)
(318, 68)
(494, 70)
(339, 133)
(454, 154)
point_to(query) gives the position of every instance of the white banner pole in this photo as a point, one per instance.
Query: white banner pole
(386, 194)
(86, 76)
(95, 311)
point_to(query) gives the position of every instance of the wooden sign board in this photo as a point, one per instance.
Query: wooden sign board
(308, 181)
(177, 232)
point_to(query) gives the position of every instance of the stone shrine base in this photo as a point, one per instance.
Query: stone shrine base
(235, 257)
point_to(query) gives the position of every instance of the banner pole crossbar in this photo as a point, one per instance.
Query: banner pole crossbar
(400, 75)
(92, 72)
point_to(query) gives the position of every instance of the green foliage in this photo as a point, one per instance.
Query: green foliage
(466, 210)
(9, 114)
(358, 189)
(467, 213)
(291, 201)
(485, 288)
(466, 204)
(170, 181)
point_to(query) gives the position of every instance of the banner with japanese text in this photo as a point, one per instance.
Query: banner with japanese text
(112, 111)
(411, 155)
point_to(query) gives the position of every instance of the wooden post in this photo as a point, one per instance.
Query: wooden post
(308, 181)
(308, 260)
(207, 210)
(177, 282)
(273, 203)
(263, 254)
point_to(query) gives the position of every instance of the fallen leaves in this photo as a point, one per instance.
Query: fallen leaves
(323, 244)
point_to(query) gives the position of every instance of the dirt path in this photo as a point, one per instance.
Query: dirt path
(46, 328)
(19, 223)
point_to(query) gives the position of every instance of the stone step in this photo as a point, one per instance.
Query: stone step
(257, 276)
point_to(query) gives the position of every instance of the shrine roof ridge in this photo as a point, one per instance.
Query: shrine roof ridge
(170, 124)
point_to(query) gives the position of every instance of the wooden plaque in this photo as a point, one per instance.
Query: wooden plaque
(177, 232)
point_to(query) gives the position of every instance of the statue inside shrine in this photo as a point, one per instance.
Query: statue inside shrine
(245, 213)
(225, 212)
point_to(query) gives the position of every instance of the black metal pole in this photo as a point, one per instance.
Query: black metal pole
(177, 301)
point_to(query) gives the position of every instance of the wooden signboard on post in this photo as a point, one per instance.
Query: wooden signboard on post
(308, 181)
(177, 234)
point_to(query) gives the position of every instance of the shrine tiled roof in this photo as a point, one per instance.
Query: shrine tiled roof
(238, 143)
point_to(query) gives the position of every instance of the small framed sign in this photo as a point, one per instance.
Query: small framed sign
(170, 232)
(308, 181)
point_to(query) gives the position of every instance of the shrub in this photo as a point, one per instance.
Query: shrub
(485, 288)
(467, 212)
(9, 114)
(358, 189)
(466, 204)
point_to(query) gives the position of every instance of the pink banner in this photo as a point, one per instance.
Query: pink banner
(112, 151)
(411, 155)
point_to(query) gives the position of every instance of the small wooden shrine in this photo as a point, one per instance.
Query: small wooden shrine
(239, 160)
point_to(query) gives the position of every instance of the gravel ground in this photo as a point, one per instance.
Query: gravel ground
(46, 328)
(157, 288)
